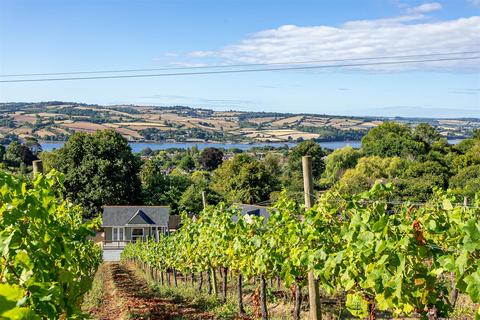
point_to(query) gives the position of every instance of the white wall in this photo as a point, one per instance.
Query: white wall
(112, 254)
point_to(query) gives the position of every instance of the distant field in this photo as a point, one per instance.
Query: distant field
(136, 123)
(141, 124)
(84, 126)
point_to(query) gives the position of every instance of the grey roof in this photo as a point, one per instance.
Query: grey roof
(260, 211)
(140, 217)
(128, 215)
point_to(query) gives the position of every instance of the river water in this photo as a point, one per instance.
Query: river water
(139, 146)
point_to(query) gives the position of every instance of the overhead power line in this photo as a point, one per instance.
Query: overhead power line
(237, 65)
(242, 70)
(339, 200)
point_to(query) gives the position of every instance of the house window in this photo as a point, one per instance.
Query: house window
(118, 234)
(137, 233)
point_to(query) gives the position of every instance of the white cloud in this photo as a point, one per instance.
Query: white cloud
(201, 54)
(426, 7)
(404, 35)
(475, 2)
(188, 64)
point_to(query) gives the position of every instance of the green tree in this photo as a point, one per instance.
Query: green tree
(467, 181)
(244, 179)
(273, 163)
(49, 159)
(306, 148)
(17, 154)
(2, 152)
(211, 158)
(100, 169)
(476, 134)
(191, 200)
(392, 139)
(421, 178)
(338, 162)
(187, 163)
(369, 170)
(159, 188)
(426, 133)
(470, 155)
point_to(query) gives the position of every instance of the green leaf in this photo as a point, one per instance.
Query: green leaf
(10, 297)
(380, 224)
(473, 286)
(447, 205)
(357, 305)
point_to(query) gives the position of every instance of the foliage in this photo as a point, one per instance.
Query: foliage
(383, 263)
(2, 152)
(306, 148)
(392, 139)
(368, 170)
(426, 133)
(47, 261)
(100, 169)
(467, 181)
(455, 230)
(211, 158)
(17, 154)
(161, 188)
(337, 162)
(33, 145)
(191, 200)
(244, 179)
(187, 163)
(383, 256)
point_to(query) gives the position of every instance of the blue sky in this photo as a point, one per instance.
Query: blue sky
(39, 36)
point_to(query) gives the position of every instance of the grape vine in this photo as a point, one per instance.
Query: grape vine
(383, 257)
(47, 260)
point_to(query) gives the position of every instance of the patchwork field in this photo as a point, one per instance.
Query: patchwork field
(56, 121)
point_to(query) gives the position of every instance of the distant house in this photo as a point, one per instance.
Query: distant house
(124, 224)
(259, 211)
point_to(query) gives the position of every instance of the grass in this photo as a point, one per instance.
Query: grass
(93, 299)
(187, 295)
(279, 304)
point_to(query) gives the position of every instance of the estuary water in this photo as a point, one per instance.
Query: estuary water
(139, 146)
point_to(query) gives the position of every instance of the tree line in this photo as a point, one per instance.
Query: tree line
(100, 169)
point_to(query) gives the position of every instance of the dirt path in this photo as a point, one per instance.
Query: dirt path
(127, 296)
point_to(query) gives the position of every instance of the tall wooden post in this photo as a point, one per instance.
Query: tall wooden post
(212, 279)
(37, 167)
(204, 199)
(313, 291)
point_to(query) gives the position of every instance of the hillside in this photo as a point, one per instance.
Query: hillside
(57, 120)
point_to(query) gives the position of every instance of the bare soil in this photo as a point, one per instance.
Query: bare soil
(127, 296)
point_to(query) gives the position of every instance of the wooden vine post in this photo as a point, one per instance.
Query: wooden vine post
(212, 275)
(204, 200)
(313, 291)
(37, 167)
